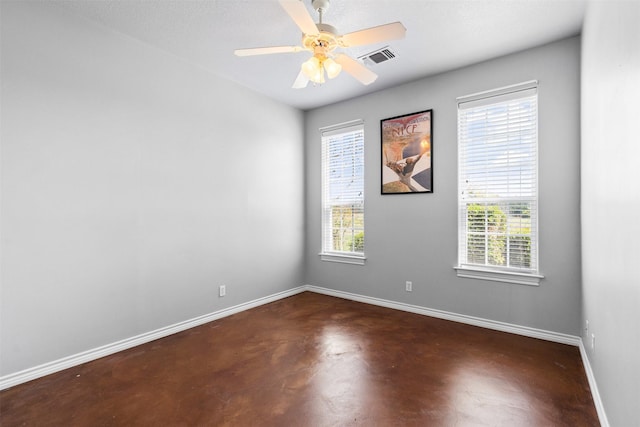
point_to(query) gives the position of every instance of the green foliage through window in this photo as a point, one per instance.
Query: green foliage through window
(347, 228)
(499, 235)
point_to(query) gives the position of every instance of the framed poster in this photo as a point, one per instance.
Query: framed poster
(407, 164)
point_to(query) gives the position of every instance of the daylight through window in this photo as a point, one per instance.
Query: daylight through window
(343, 192)
(498, 180)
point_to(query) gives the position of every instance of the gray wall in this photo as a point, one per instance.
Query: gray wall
(133, 184)
(611, 203)
(414, 237)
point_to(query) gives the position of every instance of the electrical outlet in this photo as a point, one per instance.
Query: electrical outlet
(593, 342)
(586, 328)
(222, 291)
(408, 286)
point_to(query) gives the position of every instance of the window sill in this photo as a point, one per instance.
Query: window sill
(343, 258)
(499, 276)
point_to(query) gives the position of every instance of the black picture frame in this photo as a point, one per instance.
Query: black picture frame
(406, 146)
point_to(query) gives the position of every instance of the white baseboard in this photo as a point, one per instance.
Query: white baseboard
(604, 422)
(460, 318)
(105, 350)
(96, 353)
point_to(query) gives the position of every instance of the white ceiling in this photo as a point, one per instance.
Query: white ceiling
(441, 35)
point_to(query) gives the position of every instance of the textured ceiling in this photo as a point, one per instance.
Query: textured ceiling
(441, 35)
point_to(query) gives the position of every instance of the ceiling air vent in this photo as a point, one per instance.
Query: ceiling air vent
(377, 56)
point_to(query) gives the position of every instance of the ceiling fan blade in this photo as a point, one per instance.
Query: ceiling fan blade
(382, 33)
(267, 50)
(300, 15)
(356, 69)
(301, 81)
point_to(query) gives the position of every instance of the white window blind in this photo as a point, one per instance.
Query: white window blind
(343, 190)
(498, 180)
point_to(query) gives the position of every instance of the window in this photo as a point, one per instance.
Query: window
(498, 185)
(343, 193)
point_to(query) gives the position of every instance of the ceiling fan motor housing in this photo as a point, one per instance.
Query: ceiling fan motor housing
(327, 39)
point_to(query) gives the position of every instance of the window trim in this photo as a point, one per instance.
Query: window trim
(353, 258)
(344, 258)
(505, 276)
(499, 273)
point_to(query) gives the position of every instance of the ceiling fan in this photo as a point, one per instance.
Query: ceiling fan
(322, 40)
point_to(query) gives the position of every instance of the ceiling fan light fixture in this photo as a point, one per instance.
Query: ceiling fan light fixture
(312, 68)
(319, 78)
(332, 67)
